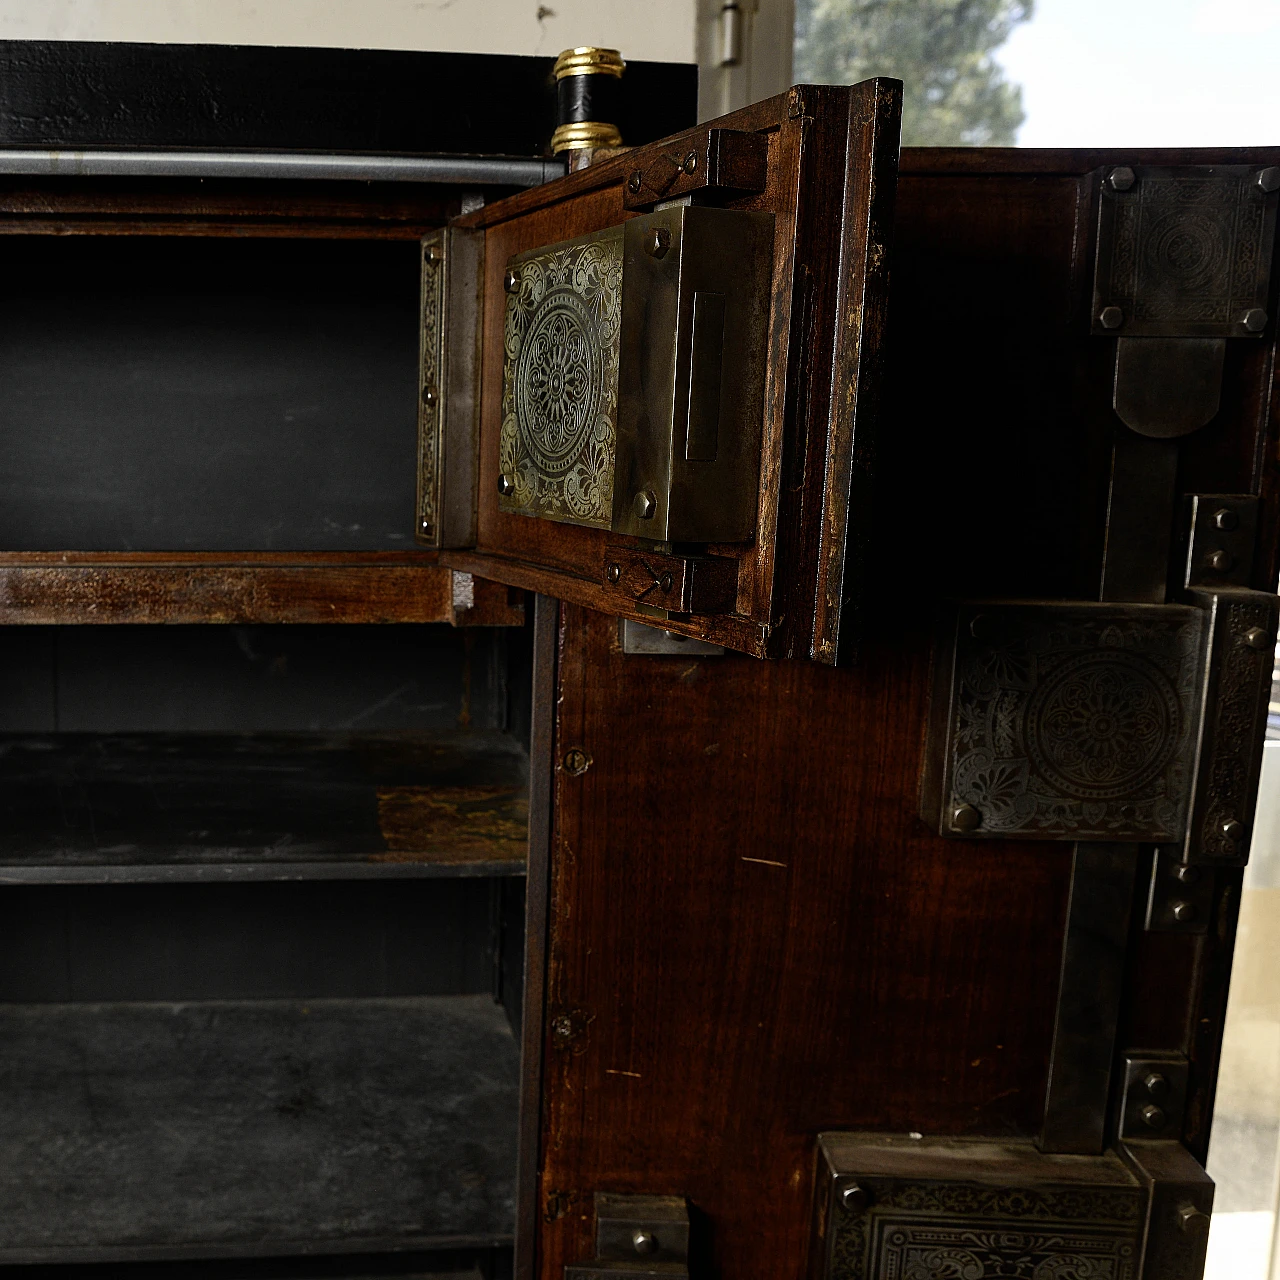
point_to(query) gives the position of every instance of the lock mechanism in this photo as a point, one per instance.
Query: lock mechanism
(637, 1236)
(633, 376)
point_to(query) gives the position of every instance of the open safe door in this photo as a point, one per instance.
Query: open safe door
(648, 387)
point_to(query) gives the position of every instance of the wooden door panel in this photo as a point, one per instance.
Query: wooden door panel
(830, 178)
(753, 938)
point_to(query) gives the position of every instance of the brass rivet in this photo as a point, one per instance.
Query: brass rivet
(645, 504)
(657, 241)
(506, 484)
(1226, 520)
(511, 281)
(964, 817)
(635, 182)
(614, 572)
(666, 582)
(429, 396)
(1121, 178)
(690, 164)
(576, 761)
(1233, 829)
(432, 253)
(1257, 638)
(1255, 319)
(1111, 317)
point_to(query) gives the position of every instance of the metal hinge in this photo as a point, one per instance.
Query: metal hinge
(637, 1236)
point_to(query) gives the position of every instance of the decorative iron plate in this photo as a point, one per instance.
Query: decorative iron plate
(1184, 253)
(939, 1210)
(560, 380)
(1069, 721)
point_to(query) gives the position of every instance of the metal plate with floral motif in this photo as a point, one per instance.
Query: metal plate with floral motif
(560, 380)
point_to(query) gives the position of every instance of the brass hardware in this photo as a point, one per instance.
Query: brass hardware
(639, 409)
(588, 60)
(585, 135)
(452, 261)
(710, 160)
(576, 762)
(511, 281)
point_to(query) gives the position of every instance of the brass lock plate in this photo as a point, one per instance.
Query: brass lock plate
(633, 376)
(1065, 721)
(893, 1207)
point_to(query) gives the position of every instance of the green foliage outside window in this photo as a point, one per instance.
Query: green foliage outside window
(955, 92)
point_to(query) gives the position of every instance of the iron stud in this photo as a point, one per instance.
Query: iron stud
(1226, 520)
(1121, 178)
(1111, 317)
(1233, 829)
(1257, 638)
(645, 504)
(1255, 319)
(511, 281)
(506, 484)
(1154, 1117)
(1268, 180)
(964, 817)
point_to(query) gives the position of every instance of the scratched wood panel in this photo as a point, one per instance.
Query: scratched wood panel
(753, 938)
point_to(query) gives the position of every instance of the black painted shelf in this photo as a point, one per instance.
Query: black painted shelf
(98, 808)
(255, 1128)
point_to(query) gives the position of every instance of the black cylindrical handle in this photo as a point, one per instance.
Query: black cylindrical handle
(588, 98)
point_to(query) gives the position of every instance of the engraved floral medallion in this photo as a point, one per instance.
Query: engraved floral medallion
(560, 380)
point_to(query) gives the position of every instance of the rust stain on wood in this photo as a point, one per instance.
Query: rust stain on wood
(453, 824)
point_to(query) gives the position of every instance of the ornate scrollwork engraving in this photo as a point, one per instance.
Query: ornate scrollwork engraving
(560, 380)
(939, 1231)
(1076, 721)
(430, 397)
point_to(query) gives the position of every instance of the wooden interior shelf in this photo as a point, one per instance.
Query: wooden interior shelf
(43, 588)
(250, 1128)
(92, 808)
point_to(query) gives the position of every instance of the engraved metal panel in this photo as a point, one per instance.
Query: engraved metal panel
(1183, 252)
(431, 378)
(560, 380)
(946, 1209)
(1065, 721)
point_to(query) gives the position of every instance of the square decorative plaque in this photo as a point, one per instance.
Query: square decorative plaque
(560, 380)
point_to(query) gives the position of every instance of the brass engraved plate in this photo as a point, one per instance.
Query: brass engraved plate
(560, 380)
(1185, 253)
(1072, 721)
(431, 388)
(947, 1210)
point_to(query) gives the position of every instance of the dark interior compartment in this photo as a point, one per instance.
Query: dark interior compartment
(290, 1037)
(179, 393)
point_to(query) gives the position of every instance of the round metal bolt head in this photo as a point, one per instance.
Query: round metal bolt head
(576, 761)
(690, 164)
(635, 182)
(614, 572)
(1257, 638)
(506, 484)
(433, 254)
(1156, 1085)
(1185, 874)
(964, 817)
(1153, 1117)
(1255, 319)
(854, 1198)
(645, 504)
(1233, 829)
(511, 281)
(1220, 561)
(1226, 520)
(1121, 178)
(429, 396)
(1111, 317)
(657, 242)
(1269, 180)
(983, 627)
(1183, 911)
(644, 1242)
(1195, 1222)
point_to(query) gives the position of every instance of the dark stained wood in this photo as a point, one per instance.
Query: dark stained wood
(92, 807)
(753, 939)
(827, 147)
(130, 587)
(705, 159)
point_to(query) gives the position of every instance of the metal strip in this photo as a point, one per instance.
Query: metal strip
(546, 633)
(1088, 1014)
(504, 171)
